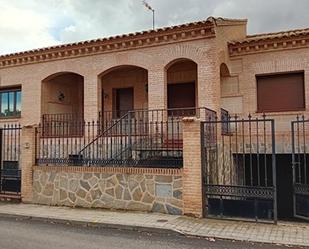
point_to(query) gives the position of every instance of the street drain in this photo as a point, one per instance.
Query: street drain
(162, 221)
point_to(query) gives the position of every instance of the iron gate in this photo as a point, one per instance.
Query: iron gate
(239, 168)
(10, 173)
(300, 160)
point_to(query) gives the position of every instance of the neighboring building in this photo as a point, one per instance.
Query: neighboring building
(198, 69)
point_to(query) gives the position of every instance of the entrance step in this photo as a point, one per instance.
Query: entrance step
(10, 198)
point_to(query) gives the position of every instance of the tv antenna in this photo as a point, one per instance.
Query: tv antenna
(153, 13)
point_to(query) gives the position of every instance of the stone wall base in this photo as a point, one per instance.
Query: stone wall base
(156, 190)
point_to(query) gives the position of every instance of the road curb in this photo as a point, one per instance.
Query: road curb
(94, 224)
(157, 230)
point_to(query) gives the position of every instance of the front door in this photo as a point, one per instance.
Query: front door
(300, 164)
(124, 101)
(181, 99)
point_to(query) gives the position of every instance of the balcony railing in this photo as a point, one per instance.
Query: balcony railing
(62, 125)
(72, 124)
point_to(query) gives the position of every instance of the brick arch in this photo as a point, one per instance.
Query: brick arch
(118, 78)
(181, 84)
(132, 58)
(54, 75)
(177, 60)
(225, 75)
(111, 69)
(208, 75)
(187, 51)
(224, 70)
(62, 96)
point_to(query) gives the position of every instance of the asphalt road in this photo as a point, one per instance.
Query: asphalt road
(29, 234)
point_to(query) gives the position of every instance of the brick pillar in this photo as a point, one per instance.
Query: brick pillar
(91, 97)
(192, 177)
(157, 89)
(27, 162)
(209, 85)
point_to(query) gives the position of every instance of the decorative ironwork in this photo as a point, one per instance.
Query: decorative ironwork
(301, 189)
(149, 163)
(239, 164)
(240, 191)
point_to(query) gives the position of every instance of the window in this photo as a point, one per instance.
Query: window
(10, 103)
(280, 92)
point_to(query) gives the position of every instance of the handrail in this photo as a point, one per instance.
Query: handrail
(104, 132)
(61, 116)
(172, 112)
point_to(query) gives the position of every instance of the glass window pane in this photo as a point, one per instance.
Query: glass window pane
(4, 103)
(18, 103)
(11, 103)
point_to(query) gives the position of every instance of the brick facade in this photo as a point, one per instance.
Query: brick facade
(227, 62)
(154, 53)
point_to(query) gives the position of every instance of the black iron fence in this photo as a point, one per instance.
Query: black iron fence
(61, 125)
(300, 163)
(10, 173)
(108, 118)
(151, 138)
(239, 168)
(225, 117)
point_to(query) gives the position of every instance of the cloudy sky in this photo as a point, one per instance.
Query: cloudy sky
(28, 24)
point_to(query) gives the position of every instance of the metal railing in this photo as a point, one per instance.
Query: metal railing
(108, 118)
(61, 125)
(225, 117)
(239, 167)
(150, 138)
(300, 166)
(10, 173)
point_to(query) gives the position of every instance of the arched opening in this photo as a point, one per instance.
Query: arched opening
(226, 82)
(231, 100)
(182, 87)
(224, 70)
(124, 88)
(63, 93)
(62, 102)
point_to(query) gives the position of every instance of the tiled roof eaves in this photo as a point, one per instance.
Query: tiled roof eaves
(167, 35)
(270, 41)
(184, 32)
(128, 36)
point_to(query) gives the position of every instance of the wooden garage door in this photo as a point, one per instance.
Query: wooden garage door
(280, 92)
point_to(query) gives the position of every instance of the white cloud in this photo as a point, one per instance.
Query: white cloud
(28, 24)
(267, 15)
(22, 29)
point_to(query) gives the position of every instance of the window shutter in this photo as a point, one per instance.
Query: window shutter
(282, 92)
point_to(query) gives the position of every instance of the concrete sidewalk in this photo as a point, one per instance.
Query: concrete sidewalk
(294, 234)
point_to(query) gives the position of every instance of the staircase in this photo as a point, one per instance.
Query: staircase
(134, 140)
